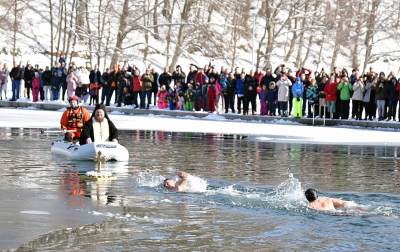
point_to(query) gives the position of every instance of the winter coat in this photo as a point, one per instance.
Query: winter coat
(162, 102)
(298, 88)
(312, 94)
(136, 84)
(380, 93)
(179, 76)
(46, 76)
(272, 95)
(330, 91)
(71, 85)
(358, 91)
(390, 89)
(16, 73)
(283, 90)
(367, 92)
(165, 79)
(344, 91)
(95, 76)
(251, 84)
(240, 87)
(147, 82)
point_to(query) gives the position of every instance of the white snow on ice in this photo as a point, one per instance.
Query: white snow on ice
(19, 118)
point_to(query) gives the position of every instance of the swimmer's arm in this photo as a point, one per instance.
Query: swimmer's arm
(338, 203)
(182, 182)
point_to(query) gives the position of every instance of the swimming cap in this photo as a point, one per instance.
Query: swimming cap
(311, 194)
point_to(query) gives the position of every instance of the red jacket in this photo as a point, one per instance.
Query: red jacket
(136, 84)
(330, 90)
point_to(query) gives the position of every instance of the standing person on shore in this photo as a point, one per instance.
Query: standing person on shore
(263, 100)
(105, 85)
(29, 74)
(165, 79)
(36, 87)
(113, 79)
(72, 84)
(4, 73)
(357, 98)
(137, 88)
(154, 86)
(312, 99)
(240, 86)
(391, 97)
(283, 94)
(344, 88)
(147, 83)
(250, 93)
(330, 91)
(46, 78)
(95, 84)
(380, 96)
(178, 76)
(298, 90)
(368, 100)
(162, 101)
(272, 98)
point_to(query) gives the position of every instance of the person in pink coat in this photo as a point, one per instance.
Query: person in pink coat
(72, 82)
(36, 87)
(162, 102)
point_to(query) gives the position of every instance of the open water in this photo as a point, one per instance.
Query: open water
(253, 201)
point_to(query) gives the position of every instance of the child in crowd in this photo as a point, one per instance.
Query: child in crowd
(94, 93)
(36, 87)
(180, 103)
(272, 98)
(189, 98)
(312, 98)
(198, 97)
(263, 100)
(162, 95)
(171, 99)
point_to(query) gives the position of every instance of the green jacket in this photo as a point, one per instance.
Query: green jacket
(345, 89)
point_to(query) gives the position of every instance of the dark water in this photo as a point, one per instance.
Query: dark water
(254, 199)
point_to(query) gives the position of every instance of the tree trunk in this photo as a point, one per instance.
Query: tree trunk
(121, 33)
(146, 20)
(65, 27)
(51, 33)
(184, 17)
(369, 36)
(89, 33)
(338, 35)
(155, 21)
(59, 27)
(292, 42)
(71, 23)
(301, 36)
(354, 60)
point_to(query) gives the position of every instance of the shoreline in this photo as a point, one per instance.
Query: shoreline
(56, 106)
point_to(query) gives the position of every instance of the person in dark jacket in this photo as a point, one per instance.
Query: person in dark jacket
(29, 74)
(250, 93)
(105, 85)
(391, 97)
(165, 79)
(16, 76)
(99, 128)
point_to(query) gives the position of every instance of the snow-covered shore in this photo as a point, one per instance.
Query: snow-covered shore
(33, 118)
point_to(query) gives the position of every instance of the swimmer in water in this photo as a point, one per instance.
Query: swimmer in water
(324, 204)
(177, 186)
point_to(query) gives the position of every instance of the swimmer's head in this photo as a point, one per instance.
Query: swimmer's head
(169, 184)
(311, 194)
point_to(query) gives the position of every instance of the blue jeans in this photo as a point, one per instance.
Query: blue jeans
(15, 89)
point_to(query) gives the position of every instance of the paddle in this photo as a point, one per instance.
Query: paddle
(43, 131)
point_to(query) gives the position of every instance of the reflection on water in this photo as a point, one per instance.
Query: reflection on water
(254, 198)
